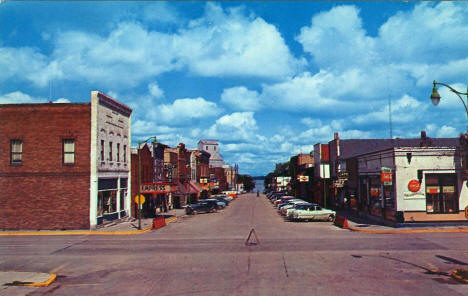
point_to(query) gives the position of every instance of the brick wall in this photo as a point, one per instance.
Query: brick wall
(42, 192)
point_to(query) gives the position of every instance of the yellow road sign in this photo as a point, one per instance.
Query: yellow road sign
(140, 200)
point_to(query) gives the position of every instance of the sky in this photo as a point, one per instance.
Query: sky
(267, 79)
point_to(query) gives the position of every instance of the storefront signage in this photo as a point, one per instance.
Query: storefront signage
(155, 188)
(414, 185)
(339, 183)
(386, 176)
(203, 180)
(343, 175)
(303, 178)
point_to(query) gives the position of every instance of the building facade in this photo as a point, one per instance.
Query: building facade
(64, 166)
(212, 147)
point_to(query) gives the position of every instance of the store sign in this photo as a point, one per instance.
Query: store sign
(303, 178)
(155, 188)
(414, 186)
(343, 175)
(339, 183)
(203, 180)
(386, 176)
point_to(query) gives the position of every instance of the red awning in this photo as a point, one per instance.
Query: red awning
(181, 190)
(194, 188)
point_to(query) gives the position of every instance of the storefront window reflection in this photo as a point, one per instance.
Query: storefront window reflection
(441, 194)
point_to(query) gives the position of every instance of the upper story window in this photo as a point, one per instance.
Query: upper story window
(110, 151)
(102, 150)
(118, 152)
(16, 151)
(68, 151)
(206, 148)
(125, 153)
(214, 148)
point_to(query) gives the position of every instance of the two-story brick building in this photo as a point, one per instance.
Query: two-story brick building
(64, 166)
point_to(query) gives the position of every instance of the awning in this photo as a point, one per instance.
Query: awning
(194, 187)
(181, 190)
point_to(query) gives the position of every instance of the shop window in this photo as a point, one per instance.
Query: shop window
(68, 151)
(107, 202)
(16, 151)
(441, 194)
(123, 194)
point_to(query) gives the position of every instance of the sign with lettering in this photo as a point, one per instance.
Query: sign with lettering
(414, 185)
(155, 188)
(386, 176)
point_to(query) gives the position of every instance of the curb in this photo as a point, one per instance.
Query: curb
(407, 231)
(457, 277)
(170, 220)
(52, 278)
(78, 232)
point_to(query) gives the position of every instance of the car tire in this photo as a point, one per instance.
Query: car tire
(214, 210)
(194, 212)
(331, 218)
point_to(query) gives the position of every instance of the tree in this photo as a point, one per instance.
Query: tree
(248, 182)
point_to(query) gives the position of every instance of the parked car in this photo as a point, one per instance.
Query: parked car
(283, 199)
(283, 210)
(312, 212)
(201, 207)
(223, 198)
(220, 204)
(291, 209)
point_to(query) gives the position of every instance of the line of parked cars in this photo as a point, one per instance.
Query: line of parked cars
(296, 209)
(209, 205)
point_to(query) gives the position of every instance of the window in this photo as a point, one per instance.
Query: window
(16, 151)
(441, 194)
(206, 148)
(110, 151)
(118, 152)
(68, 151)
(125, 153)
(214, 148)
(102, 150)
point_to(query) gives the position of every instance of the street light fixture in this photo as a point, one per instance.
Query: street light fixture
(139, 177)
(435, 97)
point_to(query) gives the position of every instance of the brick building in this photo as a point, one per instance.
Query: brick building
(64, 166)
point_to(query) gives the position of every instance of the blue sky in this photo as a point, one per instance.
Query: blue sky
(267, 79)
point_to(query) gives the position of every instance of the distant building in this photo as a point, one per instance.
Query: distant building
(64, 166)
(212, 147)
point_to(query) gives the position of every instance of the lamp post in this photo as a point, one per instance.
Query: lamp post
(139, 177)
(435, 97)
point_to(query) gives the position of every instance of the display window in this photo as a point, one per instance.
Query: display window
(107, 202)
(441, 194)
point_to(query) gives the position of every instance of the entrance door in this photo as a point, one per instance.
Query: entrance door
(441, 194)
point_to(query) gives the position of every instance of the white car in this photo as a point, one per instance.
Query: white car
(311, 212)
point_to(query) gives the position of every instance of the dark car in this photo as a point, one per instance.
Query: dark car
(201, 207)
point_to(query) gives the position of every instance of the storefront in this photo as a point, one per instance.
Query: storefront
(421, 184)
(157, 198)
(112, 194)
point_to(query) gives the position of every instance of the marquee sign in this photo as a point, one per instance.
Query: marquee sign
(156, 188)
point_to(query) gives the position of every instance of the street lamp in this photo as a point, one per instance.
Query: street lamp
(435, 97)
(139, 177)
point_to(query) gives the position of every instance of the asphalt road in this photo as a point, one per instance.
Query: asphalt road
(206, 255)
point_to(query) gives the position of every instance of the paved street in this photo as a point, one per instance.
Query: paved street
(205, 255)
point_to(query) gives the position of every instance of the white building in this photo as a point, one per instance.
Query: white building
(212, 147)
(427, 184)
(110, 159)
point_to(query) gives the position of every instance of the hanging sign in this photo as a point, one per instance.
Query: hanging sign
(386, 176)
(414, 185)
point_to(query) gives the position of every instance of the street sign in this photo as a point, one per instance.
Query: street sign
(140, 199)
(386, 176)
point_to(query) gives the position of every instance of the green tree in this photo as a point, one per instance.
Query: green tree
(248, 182)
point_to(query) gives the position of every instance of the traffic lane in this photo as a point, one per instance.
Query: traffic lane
(37, 245)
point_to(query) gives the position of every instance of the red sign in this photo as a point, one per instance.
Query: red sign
(414, 185)
(386, 177)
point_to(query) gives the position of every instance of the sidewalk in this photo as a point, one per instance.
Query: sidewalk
(373, 224)
(125, 226)
(31, 279)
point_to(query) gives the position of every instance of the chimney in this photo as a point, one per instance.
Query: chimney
(336, 137)
(423, 135)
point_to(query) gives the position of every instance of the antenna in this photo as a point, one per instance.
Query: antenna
(389, 109)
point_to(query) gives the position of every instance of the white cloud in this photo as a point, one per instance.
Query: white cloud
(235, 126)
(62, 100)
(185, 110)
(161, 12)
(240, 98)
(232, 44)
(155, 90)
(18, 97)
